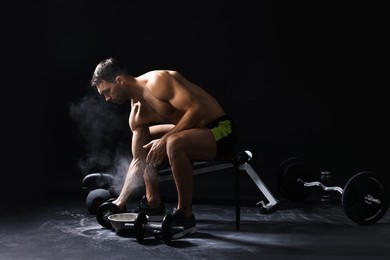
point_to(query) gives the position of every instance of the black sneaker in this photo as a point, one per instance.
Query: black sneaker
(153, 214)
(187, 225)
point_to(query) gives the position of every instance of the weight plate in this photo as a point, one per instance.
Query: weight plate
(104, 210)
(166, 228)
(95, 198)
(98, 180)
(365, 198)
(139, 227)
(289, 161)
(282, 168)
(289, 186)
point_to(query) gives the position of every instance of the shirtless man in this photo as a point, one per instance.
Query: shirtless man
(170, 117)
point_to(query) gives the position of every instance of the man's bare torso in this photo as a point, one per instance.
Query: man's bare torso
(170, 95)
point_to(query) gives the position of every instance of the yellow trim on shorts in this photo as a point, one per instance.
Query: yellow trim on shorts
(223, 129)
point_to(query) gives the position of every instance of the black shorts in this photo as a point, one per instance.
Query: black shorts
(225, 134)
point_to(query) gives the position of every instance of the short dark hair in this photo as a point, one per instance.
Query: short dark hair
(107, 70)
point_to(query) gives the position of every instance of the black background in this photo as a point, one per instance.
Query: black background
(300, 78)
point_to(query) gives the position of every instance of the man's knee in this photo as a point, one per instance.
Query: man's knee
(175, 145)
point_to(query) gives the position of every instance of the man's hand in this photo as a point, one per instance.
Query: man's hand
(156, 153)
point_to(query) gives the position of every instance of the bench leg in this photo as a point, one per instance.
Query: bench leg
(272, 201)
(237, 202)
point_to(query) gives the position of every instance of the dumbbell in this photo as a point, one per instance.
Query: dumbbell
(141, 226)
(105, 210)
(95, 198)
(365, 197)
(99, 187)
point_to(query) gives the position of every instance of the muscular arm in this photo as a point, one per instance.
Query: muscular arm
(166, 88)
(176, 101)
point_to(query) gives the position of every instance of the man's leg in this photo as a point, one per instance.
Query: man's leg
(151, 173)
(138, 169)
(182, 149)
(139, 120)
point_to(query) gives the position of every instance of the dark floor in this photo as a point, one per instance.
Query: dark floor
(294, 231)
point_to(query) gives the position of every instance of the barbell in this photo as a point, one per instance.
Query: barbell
(365, 196)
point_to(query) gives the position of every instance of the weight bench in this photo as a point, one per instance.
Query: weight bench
(99, 182)
(239, 162)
